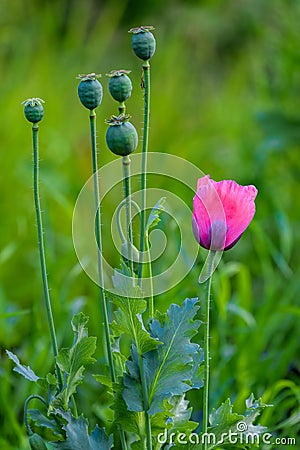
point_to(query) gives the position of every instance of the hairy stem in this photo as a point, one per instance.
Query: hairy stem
(41, 247)
(151, 298)
(145, 403)
(122, 108)
(98, 234)
(127, 193)
(206, 347)
(146, 86)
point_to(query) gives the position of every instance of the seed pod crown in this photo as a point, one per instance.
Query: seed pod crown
(33, 109)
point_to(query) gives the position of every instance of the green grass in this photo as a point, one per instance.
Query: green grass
(225, 90)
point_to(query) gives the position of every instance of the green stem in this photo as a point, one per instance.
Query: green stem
(206, 347)
(146, 84)
(145, 403)
(98, 235)
(28, 399)
(151, 298)
(118, 216)
(41, 247)
(74, 407)
(127, 193)
(122, 108)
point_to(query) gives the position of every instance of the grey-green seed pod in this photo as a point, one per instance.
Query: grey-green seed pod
(143, 42)
(33, 109)
(36, 442)
(120, 85)
(121, 136)
(90, 90)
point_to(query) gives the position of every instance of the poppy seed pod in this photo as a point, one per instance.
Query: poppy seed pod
(120, 85)
(143, 42)
(90, 90)
(121, 135)
(33, 109)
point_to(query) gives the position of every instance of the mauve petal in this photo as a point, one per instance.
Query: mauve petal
(222, 212)
(209, 218)
(239, 208)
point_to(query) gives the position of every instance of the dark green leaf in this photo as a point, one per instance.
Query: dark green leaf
(43, 421)
(78, 438)
(129, 420)
(170, 367)
(129, 321)
(72, 361)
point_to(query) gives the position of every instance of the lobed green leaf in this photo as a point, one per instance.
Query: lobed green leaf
(170, 368)
(77, 435)
(154, 216)
(129, 321)
(26, 372)
(72, 361)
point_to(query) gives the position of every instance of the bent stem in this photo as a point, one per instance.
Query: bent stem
(41, 247)
(146, 87)
(151, 298)
(31, 397)
(127, 193)
(98, 235)
(118, 217)
(211, 256)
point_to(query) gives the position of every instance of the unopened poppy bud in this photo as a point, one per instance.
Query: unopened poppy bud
(36, 442)
(33, 109)
(90, 90)
(143, 42)
(120, 85)
(121, 135)
(222, 212)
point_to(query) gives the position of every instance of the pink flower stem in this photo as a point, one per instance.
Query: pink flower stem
(211, 256)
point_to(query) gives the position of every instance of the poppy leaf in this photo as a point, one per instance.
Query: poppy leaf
(154, 216)
(170, 367)
(27, 372)
(77, 435)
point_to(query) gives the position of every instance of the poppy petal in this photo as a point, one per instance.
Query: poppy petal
(222, 212)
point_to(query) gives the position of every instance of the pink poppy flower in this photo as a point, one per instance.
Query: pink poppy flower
(222, 212)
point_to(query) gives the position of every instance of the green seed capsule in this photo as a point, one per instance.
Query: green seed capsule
(33, 109)
(90, 90)
(121, 136)
(120, 85)
(36, 442)
(143, 42)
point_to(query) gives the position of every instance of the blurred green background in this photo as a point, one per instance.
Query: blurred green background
(225, 96)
